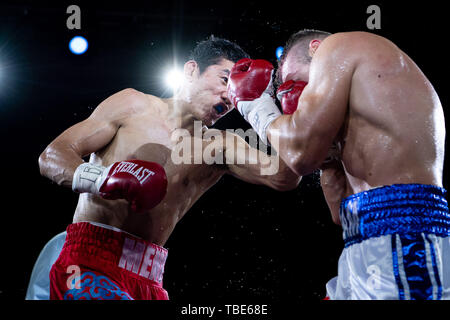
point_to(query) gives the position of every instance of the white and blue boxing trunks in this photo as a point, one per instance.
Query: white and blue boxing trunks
(39, 285)
(397, 245)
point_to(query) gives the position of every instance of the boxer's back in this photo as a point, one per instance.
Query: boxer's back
(394, 130)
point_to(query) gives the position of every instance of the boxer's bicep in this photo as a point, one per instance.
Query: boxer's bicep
(87, 136)
(63, 155)
(324, 105)
(95, 132)
(305, 137)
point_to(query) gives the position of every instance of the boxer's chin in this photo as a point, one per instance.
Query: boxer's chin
(209, 118)
(208, 122)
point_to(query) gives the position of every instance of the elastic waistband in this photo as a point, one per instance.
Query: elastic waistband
(395, 209)
(117, 249)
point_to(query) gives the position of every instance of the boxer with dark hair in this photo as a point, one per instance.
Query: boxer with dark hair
(132, 192)
(212, 50)
(364, 97)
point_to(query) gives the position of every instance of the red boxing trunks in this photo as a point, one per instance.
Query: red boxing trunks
(98, 263)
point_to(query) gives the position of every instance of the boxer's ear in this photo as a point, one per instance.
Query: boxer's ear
(191, 70)
(313, 45)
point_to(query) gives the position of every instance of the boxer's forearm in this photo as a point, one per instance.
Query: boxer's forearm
(255, 166)
(283, 180)
(58, 163)
(334, 187)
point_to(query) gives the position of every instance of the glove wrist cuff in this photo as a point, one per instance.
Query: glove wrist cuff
(88, 177)
(259, 113)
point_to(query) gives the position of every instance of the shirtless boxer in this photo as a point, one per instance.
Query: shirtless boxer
(367, 97)
(128, 208)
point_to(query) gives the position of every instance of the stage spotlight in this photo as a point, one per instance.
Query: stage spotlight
(174, 79)
(78, 45)
(279, 52)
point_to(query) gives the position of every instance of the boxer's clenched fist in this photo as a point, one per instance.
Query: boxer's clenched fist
(289, 93)
(250, 90)
(142, 183)
(249, 79)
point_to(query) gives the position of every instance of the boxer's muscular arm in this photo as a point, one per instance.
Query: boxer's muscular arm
(334, 186)
(306, 136)
(254, 166)
(63, 155)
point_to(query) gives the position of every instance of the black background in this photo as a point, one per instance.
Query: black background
(239, 241)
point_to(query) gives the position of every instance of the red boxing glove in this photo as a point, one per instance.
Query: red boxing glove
(142, 183)
(249, 79)
(250, 90)
(289, 93)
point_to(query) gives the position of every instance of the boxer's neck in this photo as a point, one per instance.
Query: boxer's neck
(179, 114)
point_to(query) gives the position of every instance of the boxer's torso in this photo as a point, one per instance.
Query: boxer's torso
(147, 136)
(394, 130)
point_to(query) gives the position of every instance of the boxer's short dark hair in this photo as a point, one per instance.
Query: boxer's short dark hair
(301, 37)
(214, 49)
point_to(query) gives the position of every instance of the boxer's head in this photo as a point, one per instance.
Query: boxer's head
(297, 54)
(206, 76)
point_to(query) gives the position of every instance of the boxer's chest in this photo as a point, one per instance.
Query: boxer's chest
(180, 153)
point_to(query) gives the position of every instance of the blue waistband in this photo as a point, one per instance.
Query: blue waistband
(395, 209)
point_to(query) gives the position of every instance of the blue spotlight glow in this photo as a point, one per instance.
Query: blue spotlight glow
(78, 45)
(279, 52)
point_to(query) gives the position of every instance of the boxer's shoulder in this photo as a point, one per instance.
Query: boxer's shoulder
(124, 101)
(127, 103)
(135, 100)
(358, 44)
(342, 52)
(348, 44)
(352, 36)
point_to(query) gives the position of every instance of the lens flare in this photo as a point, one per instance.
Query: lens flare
(78, 45)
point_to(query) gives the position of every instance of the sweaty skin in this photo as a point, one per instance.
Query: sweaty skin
(134, 125)
(368, 96)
